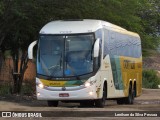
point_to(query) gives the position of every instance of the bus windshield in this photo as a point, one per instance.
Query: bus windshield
(65, 55)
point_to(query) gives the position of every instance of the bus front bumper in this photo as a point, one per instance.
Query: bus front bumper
(86, 93)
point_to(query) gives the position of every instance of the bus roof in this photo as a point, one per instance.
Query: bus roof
(80, 26)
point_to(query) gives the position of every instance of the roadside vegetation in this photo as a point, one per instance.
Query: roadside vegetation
(150, 79)
(5, 89)
(28, 89)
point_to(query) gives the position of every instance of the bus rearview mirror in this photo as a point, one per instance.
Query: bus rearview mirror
(30, 50)
(96, 48)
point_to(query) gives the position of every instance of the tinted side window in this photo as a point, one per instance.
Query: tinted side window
(122, 45)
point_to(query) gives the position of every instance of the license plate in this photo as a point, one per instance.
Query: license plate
(63, 94)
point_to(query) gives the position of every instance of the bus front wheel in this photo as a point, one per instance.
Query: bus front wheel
(52, 103)
(101, 102)
(89, 103)
(120, 101)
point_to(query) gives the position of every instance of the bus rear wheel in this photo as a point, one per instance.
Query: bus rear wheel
(130, 98)
(120, 101)
(101, 102)
(52, 103)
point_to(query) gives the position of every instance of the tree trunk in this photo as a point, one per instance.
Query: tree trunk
(23, 67)
(18, 71)
(15, 57)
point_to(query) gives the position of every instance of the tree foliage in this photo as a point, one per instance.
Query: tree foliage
(150, 79)
(20, 21)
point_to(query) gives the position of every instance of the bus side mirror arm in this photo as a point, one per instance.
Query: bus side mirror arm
(96, 48)
(30, 49)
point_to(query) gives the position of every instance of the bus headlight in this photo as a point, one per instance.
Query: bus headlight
(87, 84)
(41, 85)
(90, 93)
(38, 94)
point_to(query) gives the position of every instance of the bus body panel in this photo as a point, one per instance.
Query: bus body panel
(116, 69)
(106, 73)
(125, 67)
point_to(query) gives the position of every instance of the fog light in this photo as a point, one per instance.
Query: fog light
(38, 94)
(41, 85)
(90, 93)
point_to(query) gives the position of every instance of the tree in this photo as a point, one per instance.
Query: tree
(21, 21)
(17, 31)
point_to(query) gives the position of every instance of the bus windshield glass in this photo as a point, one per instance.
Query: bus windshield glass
(65, 56)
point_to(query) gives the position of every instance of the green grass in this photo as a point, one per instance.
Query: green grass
(5, 89)
(27, 88)
(150, 79)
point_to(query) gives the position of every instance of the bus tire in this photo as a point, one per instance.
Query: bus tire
(135, 90)
(52, 103)
(88, 103)
(120, 101)
(130, 98)
(101, 102)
